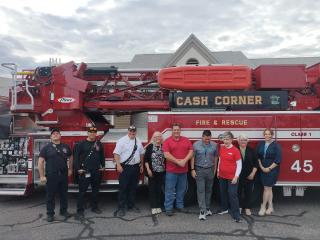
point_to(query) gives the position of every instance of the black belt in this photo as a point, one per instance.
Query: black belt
(129, 165)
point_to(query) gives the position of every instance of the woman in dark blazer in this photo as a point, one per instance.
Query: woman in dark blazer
(248, 172)
(154, 161)
(269, 158)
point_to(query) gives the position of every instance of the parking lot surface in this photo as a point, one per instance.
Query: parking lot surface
(25, 218)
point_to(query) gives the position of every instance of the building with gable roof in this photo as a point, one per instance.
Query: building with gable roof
(193, 51)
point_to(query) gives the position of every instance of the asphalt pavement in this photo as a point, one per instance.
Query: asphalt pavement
(25, 218)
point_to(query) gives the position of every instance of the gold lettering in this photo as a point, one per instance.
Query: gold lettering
(188, 101)
(179, 101)
(242, 100)
(204, 101)
(192, 101)
(250, 100)
(202, 122)
(234, 100)
(226, 100)
(238, 100)
(217, 100)
(234, 122)
(259, 100)
(196, 101)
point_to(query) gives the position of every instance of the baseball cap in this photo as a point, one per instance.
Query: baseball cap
(92, 129)
(132, 128)
(55, 130)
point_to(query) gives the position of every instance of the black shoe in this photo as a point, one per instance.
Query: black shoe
(169, 213)
(50, 218)
(65, 214)
(80, 216)
(181, 210)
(237, 220)
(96, 210)
(121, 213)
(134, 209)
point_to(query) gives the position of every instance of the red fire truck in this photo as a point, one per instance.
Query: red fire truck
(217, 97)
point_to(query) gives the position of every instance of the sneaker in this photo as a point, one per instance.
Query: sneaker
(134, 209)
(50, 218)
(121, 213)
(222, 212)
(169, 213)
(208, 212)
(237, 220)
(202, 215)
(65, 214)
(154, 211)
(159, 210)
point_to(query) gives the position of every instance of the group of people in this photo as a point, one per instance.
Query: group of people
(166, 163)
(57, 162)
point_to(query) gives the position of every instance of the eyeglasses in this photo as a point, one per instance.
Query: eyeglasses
(92, 129)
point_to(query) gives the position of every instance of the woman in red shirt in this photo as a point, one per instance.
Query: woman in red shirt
(229, 169)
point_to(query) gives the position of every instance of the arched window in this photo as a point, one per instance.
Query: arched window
(192, 61)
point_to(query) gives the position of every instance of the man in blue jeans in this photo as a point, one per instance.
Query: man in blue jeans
(178, 151)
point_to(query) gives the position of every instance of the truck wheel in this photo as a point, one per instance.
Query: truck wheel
(191, 195)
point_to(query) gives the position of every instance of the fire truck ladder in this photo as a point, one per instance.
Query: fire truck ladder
(19, 84)
(127, 90)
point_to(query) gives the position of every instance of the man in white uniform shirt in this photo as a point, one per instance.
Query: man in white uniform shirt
(128, 155)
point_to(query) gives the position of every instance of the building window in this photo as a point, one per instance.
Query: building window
(192, 61)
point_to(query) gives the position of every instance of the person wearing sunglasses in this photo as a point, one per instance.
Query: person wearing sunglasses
(89, 163)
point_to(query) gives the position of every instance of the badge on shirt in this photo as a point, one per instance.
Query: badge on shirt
(87, 175)
(64, 150)
(97, 148)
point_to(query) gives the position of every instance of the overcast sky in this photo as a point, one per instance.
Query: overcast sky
(32, 31)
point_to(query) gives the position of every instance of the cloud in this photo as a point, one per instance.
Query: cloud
(111, 31)
(8, 46)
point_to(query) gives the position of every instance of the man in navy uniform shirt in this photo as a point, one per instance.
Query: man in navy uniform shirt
(54, 171)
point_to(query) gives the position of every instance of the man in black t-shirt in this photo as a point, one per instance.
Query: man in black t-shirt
(89, 164)
(54, 171)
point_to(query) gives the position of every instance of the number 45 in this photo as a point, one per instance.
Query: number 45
(307, 166)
